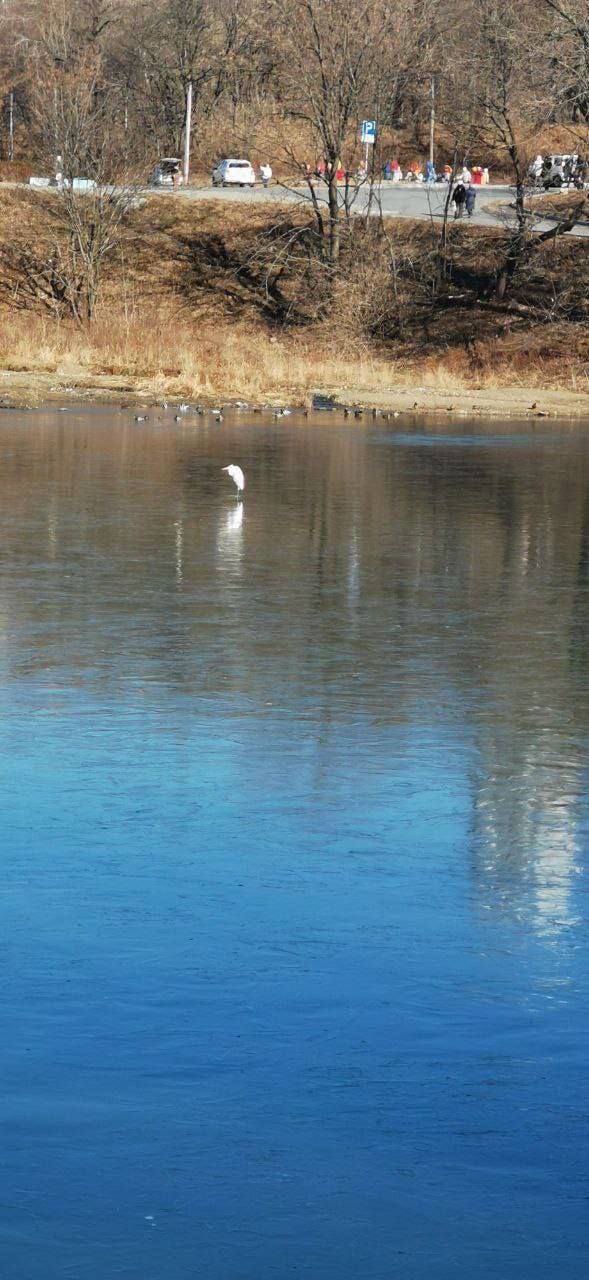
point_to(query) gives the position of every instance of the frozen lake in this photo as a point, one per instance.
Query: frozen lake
(293, 935)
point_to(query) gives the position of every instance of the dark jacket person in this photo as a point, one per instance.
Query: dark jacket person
(459, 197)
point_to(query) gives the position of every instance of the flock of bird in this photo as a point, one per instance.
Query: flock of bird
(234, 471)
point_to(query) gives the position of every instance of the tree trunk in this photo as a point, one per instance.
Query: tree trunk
(334, 216)
(518, 244)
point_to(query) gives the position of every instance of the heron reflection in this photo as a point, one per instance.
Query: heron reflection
(230, 539)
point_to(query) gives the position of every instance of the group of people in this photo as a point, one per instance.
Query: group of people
(463, 198)
(393, 172)
(464, 183)
(320, 171)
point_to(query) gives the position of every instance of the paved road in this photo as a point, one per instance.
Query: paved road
(401, 201)
(412, 200)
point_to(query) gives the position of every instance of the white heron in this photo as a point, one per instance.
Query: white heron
(237, 476)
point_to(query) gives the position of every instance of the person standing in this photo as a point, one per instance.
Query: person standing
(265, 173)
(470, 200)
(536, 169)
(459, 197)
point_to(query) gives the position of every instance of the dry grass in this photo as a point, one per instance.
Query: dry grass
(562, 204)
(206, 363)
(180, 359)
(512, 364)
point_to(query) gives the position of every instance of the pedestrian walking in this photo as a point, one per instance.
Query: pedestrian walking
(265, 173)
(470, 200)
(459, 197)
(535, 169)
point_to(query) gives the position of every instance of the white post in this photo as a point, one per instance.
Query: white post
(187, 127)
(432, 119)
(11, 125)
(366, 160)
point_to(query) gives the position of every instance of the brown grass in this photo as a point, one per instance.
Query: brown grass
(178, 358)
(235, 362)
(562, 204)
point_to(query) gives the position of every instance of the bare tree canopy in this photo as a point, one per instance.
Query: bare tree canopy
(98, 89)
(300, 71)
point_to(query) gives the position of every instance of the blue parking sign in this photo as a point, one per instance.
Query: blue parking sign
(368, 131)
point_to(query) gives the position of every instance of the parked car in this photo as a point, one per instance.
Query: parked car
(167, 173)
(559, 171)
(235, 173)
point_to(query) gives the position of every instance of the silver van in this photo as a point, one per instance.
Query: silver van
(167, 173)
(559, 171)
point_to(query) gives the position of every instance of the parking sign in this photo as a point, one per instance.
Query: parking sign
(368, 132)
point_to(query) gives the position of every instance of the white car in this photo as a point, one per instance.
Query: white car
(235, 173)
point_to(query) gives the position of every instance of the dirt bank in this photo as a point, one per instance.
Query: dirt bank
(504, 402)
(20, 388)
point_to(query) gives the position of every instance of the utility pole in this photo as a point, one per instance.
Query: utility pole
(11, 125)
(432, 119)
(187, 127)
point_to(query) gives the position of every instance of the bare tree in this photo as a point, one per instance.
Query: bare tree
(504, 112)
(569, 46)
(331, 72)
(247, 56)
(75, 114)
(174, 44)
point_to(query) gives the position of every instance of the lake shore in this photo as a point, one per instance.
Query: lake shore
(20, 388)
